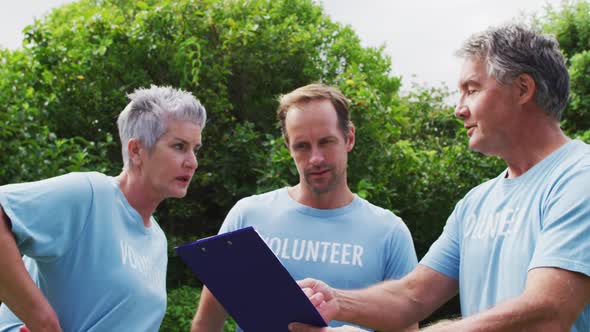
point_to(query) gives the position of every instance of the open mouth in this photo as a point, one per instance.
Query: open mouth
(184, 179)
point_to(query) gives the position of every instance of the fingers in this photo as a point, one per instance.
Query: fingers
(24, 329)
(317, 299)
(307, 283)
(347, 328)
(307, 291)
(320, 295)
(298, 327)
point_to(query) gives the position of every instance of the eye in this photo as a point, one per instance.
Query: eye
(178, 146)
(299, 146)
(327, 141)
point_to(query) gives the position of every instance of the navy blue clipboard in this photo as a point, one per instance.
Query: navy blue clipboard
(248, 279)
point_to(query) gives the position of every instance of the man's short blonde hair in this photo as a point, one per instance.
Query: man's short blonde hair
(315, 92)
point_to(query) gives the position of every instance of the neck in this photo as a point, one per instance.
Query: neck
(329, 200)
(533, 143)
(137, 195)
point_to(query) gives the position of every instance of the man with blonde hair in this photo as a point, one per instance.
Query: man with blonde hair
(319, 228)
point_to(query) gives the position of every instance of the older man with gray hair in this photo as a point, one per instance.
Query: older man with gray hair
(515, 247)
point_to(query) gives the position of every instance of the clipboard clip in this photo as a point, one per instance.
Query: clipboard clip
(229, 243)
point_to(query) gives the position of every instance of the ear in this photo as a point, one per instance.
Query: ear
(350, 138)
(526, 88)
(135, 150)
(287, 145)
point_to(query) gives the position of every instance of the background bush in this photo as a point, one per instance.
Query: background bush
(181, 308)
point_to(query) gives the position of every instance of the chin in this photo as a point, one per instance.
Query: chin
(481, 150)
(474, 144)
(322, 189)
(317, 190)
(178, 194)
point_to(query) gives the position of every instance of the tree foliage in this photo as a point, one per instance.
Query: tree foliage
(570, 23)
(235, 56)
(30, 148)
(181, 308)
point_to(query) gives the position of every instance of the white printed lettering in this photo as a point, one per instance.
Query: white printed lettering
(357, 254)
(345, 253)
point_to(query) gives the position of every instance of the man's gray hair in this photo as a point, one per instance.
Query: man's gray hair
(148, 114)
(511, 50)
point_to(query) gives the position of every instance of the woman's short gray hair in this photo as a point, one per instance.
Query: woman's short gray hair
(511, 50)
(148, 114)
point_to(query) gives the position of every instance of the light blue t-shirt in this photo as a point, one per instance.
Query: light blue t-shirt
(89, 252)
(505, 227)
(351, 247)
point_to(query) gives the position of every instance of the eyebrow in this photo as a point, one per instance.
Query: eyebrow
(470, 81)
(295, 141)
(182, 140)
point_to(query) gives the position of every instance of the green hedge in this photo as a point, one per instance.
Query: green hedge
(182, 303)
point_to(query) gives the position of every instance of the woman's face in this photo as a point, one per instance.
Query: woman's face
(168, 168)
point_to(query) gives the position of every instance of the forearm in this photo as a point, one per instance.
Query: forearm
(210, 316)
(508, 317)
(384, 307)
(17, 289)
(397, 304)
(551, 301)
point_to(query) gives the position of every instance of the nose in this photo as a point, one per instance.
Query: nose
(461, 111)
(191, 161)
(317, 157)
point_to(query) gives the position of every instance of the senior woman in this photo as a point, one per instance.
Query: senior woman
(93, 256)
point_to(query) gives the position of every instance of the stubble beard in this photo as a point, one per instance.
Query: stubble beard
(332, 184)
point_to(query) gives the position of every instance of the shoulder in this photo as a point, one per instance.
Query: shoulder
(75, 183)
(580, 149)
(157, 230)
(577, 158)
(264, 200)
(251, 208)
(78, 179)
(379, 216)
(572, 170)
(478, 192)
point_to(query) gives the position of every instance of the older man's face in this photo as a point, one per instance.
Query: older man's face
(487, 109)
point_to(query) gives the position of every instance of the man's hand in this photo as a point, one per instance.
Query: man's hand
(322, 297)
(298, 327)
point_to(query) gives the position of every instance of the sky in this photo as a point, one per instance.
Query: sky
(420, 36)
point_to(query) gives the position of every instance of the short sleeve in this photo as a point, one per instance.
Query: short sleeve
(233, 220)
(444, 254)
(563, 242)
(47, 216)
(401, 258)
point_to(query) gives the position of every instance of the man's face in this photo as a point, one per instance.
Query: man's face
(318, 146)
(486, 108)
